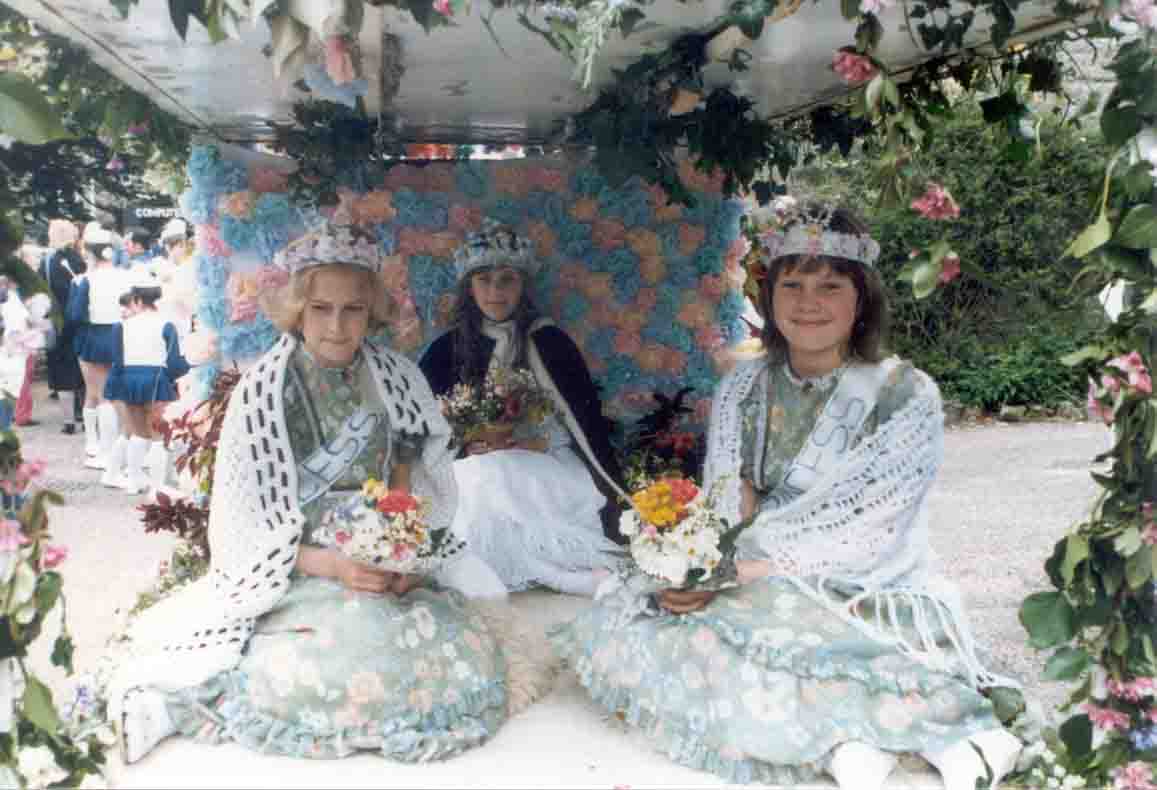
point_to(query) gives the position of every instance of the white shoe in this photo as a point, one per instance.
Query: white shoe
(91, 430)
(146, 723)
(1000, 749)
(859, 766)
(959, 765)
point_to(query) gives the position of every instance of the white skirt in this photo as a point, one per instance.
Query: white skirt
(534, 518)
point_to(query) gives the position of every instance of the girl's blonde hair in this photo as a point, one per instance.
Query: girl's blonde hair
(285, 305)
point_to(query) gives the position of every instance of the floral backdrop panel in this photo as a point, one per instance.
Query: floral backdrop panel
(650, 291)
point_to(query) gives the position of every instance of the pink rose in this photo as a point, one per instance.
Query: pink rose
(339, 63)
(949, 267)
(936, 203)
(1133, 366)
(443, 7)
(52, 556)
(853, 69)
(1096, 409)
(1106, 718)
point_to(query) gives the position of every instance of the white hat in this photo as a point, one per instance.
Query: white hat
(94, 233)
(174, 229)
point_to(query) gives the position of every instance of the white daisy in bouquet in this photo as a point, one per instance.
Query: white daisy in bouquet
(491, 411)
(677, 535)
(388, 529)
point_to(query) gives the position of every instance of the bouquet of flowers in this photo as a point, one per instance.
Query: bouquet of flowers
(490, 412)
(677, 536)
(387, 529)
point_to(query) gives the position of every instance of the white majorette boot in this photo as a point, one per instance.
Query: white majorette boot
(91, 435)
(157, 462)
(859, 766)
(114, 465)
(135, 481)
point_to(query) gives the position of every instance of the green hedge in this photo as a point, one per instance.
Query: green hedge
(993, 336)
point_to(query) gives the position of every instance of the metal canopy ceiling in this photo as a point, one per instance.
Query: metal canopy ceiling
(458, 85)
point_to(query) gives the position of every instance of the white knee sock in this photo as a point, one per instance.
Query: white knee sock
(109, 426)
(158, 463)
(135, 481)
(114, 464)
(91, 437)
(860, 766)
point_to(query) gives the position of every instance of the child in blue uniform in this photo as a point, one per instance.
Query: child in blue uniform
(148, 362)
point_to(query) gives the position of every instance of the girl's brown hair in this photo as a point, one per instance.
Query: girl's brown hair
(869, 331)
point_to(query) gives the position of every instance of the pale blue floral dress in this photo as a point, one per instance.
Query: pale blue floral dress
(330, 671)
(762, 683)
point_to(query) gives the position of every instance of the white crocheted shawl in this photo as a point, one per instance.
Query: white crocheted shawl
(861, 528)
(255, 522)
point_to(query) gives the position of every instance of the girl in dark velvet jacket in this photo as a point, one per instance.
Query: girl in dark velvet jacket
(541, 508)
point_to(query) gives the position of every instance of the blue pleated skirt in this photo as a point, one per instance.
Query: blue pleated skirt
(139, 384)
(96, 343)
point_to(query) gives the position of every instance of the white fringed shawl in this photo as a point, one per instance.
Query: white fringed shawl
(861, 526)
(255, 522)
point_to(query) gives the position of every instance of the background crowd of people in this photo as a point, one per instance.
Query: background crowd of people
(67, 305)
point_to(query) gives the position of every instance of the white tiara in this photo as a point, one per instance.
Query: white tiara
(332, 242)
(495, 245)
(801, 233)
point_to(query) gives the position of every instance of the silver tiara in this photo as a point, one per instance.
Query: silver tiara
(332, 242)
(495, 245)
(804, 231)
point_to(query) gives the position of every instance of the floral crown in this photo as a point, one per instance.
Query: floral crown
(807, 231)
(495, 245)
(335, 241)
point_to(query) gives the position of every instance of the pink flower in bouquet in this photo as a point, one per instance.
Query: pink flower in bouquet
(627, 343)
(397, 502)
(690, 237)
(115, 165)
(263, 179)
(341, 537)
(443, 7)
(53, 556)
(949, 268)
(1133, 690)
(852, 68)
(1136, 775)
(1133, 366)
(1143, 12)
(936, 203)
(339, 62)
(11, 535)
(1106, 718)
(465, 218)
(607, 234)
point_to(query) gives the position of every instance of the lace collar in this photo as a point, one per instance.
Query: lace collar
(823, 382)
